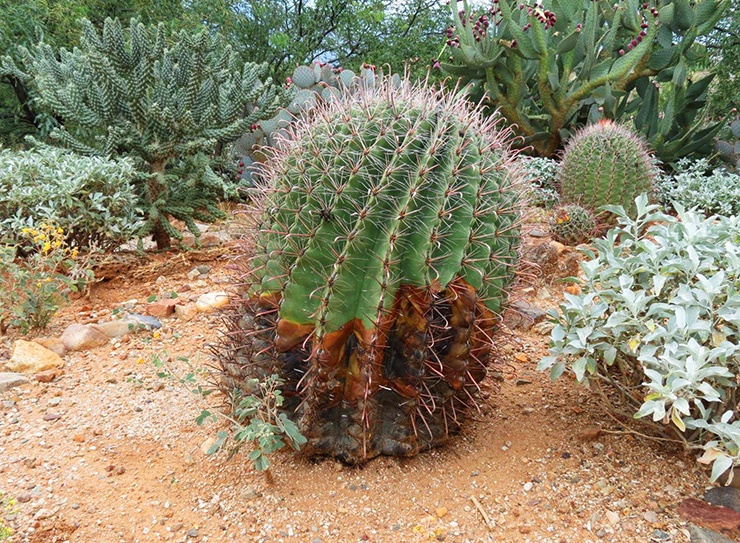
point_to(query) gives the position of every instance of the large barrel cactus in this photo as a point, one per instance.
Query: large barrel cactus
(386, 235)
(605, 163)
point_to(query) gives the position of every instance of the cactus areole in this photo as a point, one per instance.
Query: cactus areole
(387, 234)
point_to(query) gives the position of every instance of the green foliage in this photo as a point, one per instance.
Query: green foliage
(34, 287)
(261, 424)
(284, 34)
(658, 319)
(387, 222)
(257, 421)
(550, 70)
(153, 96)
(605, 164)
(723, 48)
(91, 198)
(698, 185)
(572, 224)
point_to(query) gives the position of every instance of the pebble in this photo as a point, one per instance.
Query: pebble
(193, 533)
(650, 516)
(55, 401)
(48, 417)
(441, 511)
(612, 517)
(528, 486)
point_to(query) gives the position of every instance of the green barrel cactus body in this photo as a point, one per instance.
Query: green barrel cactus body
(572, 224)
(387, 235)
(605, 164)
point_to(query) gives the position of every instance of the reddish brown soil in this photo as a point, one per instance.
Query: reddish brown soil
(124, 462)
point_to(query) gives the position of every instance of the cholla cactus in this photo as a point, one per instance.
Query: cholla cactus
(388, 232)
(158, 97)
(572, 224)
(605, 164)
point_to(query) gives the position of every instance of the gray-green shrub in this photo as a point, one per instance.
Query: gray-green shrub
(658, 320)
(543, 175)
(697, 184)
(91, 198)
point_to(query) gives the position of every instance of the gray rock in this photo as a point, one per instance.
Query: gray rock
(193, 533)
(704, 535)
(524, 315)
(537, 233)
(726, 496)
(82, 337)
(11, 380)
(150, 323)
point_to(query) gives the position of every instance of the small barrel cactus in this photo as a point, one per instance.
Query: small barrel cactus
(572, 224)
(387, 231)
(605, 164)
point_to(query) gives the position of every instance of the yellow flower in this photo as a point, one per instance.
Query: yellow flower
(156, 334)
(47, 247)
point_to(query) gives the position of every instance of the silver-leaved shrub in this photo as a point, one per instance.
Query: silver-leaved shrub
(698, 185)
(658, 321)
(91, 198)
(543, 174)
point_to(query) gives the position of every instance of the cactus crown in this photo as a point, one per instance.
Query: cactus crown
(384, 187)
(605, 164)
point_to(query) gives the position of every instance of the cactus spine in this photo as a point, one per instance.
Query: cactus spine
(387, 237)
(605, 164)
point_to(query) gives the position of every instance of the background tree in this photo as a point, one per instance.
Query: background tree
(723, 45)
(163, 98)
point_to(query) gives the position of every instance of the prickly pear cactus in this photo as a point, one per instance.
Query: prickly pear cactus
(387, 235)
(572, 224)
(605, 163)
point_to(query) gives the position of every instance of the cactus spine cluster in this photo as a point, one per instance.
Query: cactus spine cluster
(387, 237)
(605, 164)
(572, 224)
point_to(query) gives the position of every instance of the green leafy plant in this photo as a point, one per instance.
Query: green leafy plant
(387, 233)
(572, 224)
(256, 421)
(605, 164)
(261, 423)
(163, 99)
(658, 321)
(91, 198)
(699, 185)
(36, 285)
(553, 66)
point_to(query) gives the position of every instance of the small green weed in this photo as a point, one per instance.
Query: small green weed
(257, 420)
